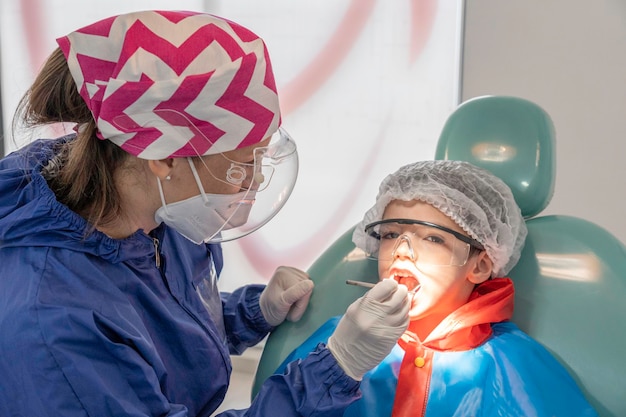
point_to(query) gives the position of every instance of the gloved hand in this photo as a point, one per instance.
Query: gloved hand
(370, 328)
(286, 295)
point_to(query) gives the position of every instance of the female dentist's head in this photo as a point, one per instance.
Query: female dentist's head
(177, 120)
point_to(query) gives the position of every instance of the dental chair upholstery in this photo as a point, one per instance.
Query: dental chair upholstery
(570, 280)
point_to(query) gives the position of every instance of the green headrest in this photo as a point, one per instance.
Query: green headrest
(511, 137)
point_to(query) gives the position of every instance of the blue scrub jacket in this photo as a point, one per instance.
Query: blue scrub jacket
(92, 326)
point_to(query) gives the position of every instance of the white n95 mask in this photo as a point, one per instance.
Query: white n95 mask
(200, 221)
(202, 217)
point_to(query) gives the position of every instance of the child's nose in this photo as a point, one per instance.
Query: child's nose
(403, 248)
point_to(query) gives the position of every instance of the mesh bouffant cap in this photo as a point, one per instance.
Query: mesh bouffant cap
(174, 83)
(475, 199)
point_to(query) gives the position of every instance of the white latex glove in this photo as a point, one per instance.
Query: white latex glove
(286, 295)
(370, 328)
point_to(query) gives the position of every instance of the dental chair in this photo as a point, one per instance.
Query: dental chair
(570, 280)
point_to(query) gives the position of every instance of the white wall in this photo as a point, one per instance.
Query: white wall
(569, 57)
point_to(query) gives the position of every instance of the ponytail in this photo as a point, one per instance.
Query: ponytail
(81, 173)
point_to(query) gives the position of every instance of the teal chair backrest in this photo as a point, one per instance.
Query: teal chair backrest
(571, 278)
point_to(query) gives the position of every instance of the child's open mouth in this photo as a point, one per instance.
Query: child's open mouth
(407, 280)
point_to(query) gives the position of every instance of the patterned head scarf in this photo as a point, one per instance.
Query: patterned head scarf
(173, 83)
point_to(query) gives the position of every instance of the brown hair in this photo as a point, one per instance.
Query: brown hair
(81, 173)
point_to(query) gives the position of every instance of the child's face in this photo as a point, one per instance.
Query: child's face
(442, 288)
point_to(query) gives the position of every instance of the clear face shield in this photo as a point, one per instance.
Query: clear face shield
(264, 183)
(424, 242)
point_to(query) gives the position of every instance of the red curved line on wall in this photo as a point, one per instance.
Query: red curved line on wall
(422, 19)
(322, 66)
(34, 33)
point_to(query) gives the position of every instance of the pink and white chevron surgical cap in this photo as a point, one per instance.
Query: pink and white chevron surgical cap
(174, 83)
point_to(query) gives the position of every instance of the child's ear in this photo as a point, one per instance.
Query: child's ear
(482, 269)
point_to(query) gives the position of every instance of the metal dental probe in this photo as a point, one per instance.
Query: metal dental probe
(371, 285)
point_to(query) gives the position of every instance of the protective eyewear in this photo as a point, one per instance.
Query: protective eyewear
(424, 242)
(257, 174)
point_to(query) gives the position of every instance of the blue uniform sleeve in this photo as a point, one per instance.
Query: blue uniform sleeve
(321, 335)
(243, 319)
(314, 387)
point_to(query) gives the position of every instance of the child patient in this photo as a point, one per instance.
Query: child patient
(451, 232)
